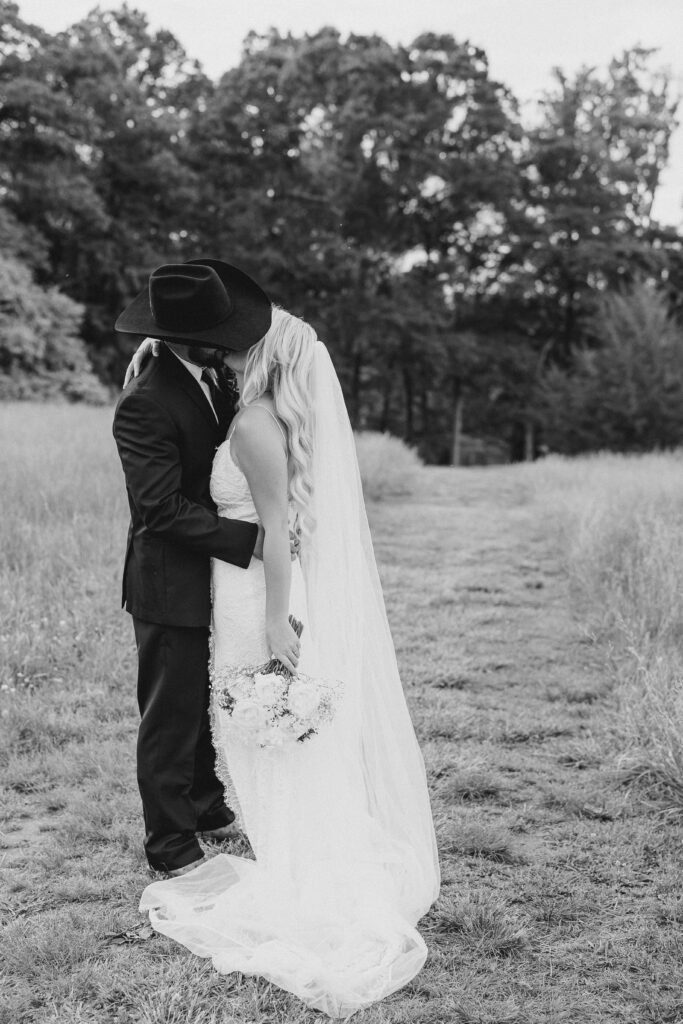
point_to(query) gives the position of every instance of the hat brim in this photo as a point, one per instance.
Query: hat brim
(248, 321)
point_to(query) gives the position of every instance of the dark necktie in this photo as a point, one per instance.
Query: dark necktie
(207, 378)
(220, 403)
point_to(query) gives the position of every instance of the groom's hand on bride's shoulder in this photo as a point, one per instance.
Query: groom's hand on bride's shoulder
(294, 544)
(148, 347)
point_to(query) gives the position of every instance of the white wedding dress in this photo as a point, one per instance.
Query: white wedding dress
(340, 824)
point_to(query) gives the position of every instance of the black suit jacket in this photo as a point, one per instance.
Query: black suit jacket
(167, 435)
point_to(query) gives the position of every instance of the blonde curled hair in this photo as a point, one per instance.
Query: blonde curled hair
(282, 362)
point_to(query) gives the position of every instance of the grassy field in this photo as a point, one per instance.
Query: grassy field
(562, 888)
(619, 523)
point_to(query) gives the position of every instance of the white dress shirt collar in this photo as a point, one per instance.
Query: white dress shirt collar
(194, 369)
(196, 372)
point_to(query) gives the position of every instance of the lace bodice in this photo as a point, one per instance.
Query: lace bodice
(229, 487)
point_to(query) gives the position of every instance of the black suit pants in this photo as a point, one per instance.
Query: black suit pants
(176, 760)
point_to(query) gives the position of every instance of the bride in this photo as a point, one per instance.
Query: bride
(340, 824)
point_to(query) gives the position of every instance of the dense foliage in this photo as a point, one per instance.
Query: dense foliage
(625, 392)
(41, 352)
(451, 258)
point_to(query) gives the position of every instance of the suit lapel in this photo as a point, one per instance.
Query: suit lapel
(190, 386)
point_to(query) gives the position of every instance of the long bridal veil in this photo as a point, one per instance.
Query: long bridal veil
(346, 860)
(351, 631)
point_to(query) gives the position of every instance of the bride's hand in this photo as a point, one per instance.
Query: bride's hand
(283, 643)
(148, 347)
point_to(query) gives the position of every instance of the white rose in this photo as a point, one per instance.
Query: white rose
(303, 699)
(290, 726)
(240, 686)
(247, 716)
(269, 687)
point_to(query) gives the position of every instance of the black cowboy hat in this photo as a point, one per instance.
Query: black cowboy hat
(201, 302)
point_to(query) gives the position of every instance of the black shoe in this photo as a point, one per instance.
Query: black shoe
(230, 831)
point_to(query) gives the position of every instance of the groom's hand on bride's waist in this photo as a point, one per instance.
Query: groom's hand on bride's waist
(258, 546)
(294, 543)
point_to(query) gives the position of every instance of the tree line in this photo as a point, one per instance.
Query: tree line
(471, 274)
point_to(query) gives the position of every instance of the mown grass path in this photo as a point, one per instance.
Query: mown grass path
(561, 896)
(561, 890)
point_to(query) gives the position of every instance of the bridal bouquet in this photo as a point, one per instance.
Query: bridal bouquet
(270, 706)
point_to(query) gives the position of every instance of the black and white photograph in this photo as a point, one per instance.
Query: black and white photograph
(341, 546)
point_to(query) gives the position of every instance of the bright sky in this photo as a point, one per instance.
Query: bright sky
(524, 39)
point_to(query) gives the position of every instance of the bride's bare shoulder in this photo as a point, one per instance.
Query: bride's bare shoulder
(258, 427)
(256, 416)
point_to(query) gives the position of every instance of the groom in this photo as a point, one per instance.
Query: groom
(167, 425)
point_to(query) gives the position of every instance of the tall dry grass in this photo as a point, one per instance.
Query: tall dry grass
(63, 639)
(388, 467)
(620, 522)
(62, 532)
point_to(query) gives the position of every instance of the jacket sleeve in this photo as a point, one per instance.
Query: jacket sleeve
(148, 447)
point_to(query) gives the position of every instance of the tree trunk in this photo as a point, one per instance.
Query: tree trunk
(529, 440)
(386, 400)
(355, 405)
(425, 416)
(408, 392)
(458, 405)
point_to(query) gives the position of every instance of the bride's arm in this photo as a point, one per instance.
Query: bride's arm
(258, 449)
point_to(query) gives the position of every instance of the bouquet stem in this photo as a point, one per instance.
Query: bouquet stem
(274, 665)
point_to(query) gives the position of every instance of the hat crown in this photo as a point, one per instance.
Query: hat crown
(188, 297)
